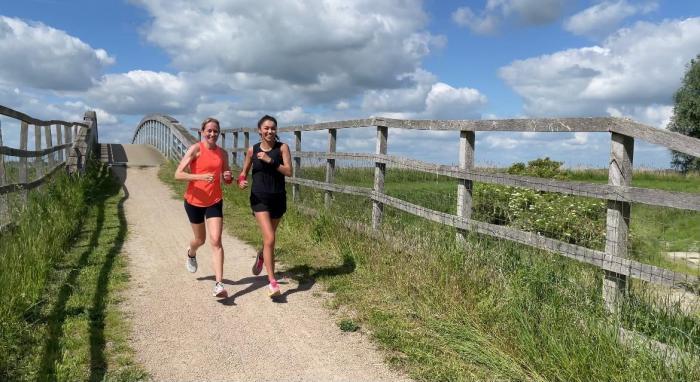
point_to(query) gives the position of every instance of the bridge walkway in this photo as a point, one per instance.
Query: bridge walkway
(180, 332)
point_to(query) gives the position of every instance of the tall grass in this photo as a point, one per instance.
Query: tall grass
(58, 266)
(484, 310)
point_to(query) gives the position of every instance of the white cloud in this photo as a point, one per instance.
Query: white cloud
(603, 18)
(317, 51)
(42, 57)
(427, 98)
(498, 12)
(634, 68)
(143, 92)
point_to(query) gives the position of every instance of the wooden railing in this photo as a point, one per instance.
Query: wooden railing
(57, 144)
(618, 192)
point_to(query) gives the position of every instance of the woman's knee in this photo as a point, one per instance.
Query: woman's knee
(269, 240)
(215, 242)
(199, 241)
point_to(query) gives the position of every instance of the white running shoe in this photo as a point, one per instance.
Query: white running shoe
(219, 290)
(191, 262)
(274, 289)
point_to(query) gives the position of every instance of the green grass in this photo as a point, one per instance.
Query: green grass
(61, 277)
(441, 311)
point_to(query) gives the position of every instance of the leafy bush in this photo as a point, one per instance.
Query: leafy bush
(575, 220)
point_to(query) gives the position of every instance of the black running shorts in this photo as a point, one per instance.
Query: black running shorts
(275, 204)
(197, 214)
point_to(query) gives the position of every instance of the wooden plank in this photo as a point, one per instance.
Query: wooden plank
(296, 169)
(69, 140)
(37, 122)
(599, 259)
(672, 140)
(464, 187)
(4, 207)
(9, 151)
(350, 190)
(16, 187)
(623, 126)
(59, 142)
(379, 174)
(330, 167)
(673, 199)
(631, 268)
(38, 161)
(49, 144)
(234, 150)
(618, 218)
(23, 139)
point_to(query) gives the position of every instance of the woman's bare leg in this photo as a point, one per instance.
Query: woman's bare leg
(215, 227)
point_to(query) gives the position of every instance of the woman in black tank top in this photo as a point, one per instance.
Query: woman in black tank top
(271, 162)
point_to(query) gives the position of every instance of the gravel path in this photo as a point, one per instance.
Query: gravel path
(181, 333)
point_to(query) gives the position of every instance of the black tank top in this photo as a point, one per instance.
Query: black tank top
(266, 178)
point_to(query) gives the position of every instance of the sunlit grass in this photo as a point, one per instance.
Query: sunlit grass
(485, 310)
(61, 277)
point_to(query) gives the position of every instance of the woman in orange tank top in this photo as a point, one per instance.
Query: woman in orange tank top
(205, 166)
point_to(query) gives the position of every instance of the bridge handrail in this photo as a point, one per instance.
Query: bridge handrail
(165, 133)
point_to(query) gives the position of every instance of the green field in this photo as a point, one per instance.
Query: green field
(487, 309)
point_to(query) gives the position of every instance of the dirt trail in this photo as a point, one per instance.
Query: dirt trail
(181, 333)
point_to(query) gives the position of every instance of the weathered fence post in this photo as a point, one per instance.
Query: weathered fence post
(296, 170)
(379, 173)
(59, 141)
(464, 187)
(38, 160)
(223, 146)
(49, 144)
(4, 208)
(234, 151)
(23, 138)
(330, 166)
(618, 219)
(69, 139)
(246, 140)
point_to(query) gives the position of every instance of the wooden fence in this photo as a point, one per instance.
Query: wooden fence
(57, 144)
(618, 192)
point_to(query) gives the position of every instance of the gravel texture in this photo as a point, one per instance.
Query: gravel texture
(181, 333)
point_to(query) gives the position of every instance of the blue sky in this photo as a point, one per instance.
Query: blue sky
(328, 60)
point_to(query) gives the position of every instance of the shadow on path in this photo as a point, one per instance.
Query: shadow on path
(103, 190)
(304, 275)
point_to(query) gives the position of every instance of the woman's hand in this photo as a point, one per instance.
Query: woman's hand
(264, 157)
(209, 178)
(228, 178)
(242, 181)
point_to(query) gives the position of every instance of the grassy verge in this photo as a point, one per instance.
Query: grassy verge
(445, 312)
(61, 274)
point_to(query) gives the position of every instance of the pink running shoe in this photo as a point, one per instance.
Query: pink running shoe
(274, 289)
(258, 264)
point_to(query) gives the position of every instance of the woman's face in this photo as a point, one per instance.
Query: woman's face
(211, 132)
(268, 131)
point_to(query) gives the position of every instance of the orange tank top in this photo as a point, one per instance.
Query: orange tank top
(201, 193)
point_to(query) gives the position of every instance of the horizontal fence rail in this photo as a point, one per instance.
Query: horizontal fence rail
(57, 145)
